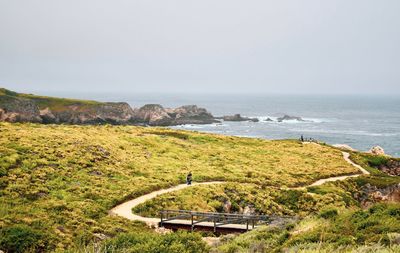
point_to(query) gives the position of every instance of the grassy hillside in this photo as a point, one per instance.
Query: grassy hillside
(263, 200)
(55, 104)
(62, 180)
(376, 229)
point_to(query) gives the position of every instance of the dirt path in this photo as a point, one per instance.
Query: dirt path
(125, 209)
(346, 157)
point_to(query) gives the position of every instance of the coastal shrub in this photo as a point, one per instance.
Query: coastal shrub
(328, 248)
(180, 242)
(263, 239)
(328, 213)
(336, 231)
(270, 200)
(376, 160)
(394, 211)
(174, 134)
(21, 238)
(67, 177)
(290, 198)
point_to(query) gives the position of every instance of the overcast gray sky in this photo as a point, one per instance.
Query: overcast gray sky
(280, 46)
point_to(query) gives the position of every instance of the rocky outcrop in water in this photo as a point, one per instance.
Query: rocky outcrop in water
(156, 115)
(288, 117)
(238, 117)
(191, 114)
(153, 115)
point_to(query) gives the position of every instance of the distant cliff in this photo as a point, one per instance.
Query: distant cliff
(18, 107)
(156, 115)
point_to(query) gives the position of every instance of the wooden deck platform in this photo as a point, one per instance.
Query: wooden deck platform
(208, 221)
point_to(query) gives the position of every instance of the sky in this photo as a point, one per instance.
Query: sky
(207, 46)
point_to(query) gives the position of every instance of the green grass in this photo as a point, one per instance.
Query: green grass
(180, 242)
(334, 230)
(57, 182)
(264, 200)
(60, 104)
(5, 92)
(371, 163)
(53, 103)
(62, 180)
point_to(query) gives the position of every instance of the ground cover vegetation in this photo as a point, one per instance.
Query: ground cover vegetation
(328, 218)
(53, 103)
(58, 182)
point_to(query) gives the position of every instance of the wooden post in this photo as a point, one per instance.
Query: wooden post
(192, 222)
(253, 223)
(162, 216)
(215, 225)
(247, 225)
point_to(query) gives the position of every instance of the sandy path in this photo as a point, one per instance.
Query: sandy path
(346, 157)
(125, 209)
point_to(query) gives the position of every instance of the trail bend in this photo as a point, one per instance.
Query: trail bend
(125, 209)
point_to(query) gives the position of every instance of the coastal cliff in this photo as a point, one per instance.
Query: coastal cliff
(14, 109)
(18, 107)
(112, 113)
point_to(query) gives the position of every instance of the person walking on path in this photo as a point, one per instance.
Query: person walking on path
(189, 178)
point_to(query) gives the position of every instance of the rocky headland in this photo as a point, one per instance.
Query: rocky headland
(18, 107)
(14, 109)
(156, 115)
(237, 117)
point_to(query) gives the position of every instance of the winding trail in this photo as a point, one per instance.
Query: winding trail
(346, 157)
(125, 209)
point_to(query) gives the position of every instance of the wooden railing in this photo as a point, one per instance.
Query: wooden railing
(216, 219)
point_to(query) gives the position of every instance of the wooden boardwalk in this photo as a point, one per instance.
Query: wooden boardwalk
(208, 221)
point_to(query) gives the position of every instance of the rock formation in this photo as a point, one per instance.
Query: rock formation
(18, 107)
(344, 146)
(15, 109)
(238, 117)
(191, 114)
(153, 115)
(156, 115)
(249, 210)
(227, 206)
(392, 167)
(287, 117)
(111, 113)
(377, 150)
(371, 194)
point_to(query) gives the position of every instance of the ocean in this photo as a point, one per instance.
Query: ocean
(358, 121)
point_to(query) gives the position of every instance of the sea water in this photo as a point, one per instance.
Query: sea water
(358, 121)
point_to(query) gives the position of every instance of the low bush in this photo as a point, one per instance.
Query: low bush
(180, 242)
(21, 238)
(328, 213)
